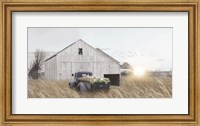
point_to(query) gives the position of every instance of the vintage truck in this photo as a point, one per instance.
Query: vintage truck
(85, 81)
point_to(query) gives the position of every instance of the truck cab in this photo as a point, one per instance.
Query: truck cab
(81, 74)
(74, 83)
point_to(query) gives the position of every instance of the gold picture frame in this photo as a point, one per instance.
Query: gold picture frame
(9, 6)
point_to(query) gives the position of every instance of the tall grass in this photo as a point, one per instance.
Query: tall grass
(131, 87)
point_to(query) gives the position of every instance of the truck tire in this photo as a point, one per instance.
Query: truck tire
(82, 87)
(88, 86)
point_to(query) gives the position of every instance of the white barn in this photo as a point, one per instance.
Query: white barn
(80, 56)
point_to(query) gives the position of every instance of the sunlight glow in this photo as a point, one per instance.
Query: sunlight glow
(139, 71)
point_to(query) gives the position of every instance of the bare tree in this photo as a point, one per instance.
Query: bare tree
(36, 66)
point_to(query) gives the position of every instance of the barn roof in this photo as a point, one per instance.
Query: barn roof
(105, 54)
(60, 51)
(99, 50)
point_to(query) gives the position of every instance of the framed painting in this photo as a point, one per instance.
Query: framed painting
(99, 63)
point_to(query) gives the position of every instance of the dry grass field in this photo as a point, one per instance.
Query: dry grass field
(131, 87)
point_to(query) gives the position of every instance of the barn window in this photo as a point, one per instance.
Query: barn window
(80, 51)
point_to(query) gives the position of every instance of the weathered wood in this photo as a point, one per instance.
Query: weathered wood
(68, 61)
(51, 69)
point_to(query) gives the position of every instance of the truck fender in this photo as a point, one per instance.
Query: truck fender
(72, 84)
(82, 87)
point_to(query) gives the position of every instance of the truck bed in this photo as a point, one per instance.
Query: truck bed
(94, 80)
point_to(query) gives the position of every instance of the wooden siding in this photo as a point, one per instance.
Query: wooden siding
(50, 69)
(69, 62)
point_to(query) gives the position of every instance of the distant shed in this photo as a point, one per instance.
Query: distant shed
(80, 56)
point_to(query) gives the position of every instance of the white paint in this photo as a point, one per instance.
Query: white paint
(68, 62)
(176, 105)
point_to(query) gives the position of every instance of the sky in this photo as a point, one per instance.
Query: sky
(148, 48)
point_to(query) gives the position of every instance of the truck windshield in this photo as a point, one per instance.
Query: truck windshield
(83, 74)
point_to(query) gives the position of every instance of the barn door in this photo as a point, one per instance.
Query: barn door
(81, 66)
(86, 66)
(65, 71)
(68, 71)
(114, 79)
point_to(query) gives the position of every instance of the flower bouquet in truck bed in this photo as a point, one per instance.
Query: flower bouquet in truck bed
(93, 79)
(85, 81)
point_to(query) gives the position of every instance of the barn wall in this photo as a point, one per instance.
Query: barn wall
(51, 69)
(69, 62)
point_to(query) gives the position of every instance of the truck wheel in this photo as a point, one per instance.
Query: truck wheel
(88, 86)
(82, 87)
